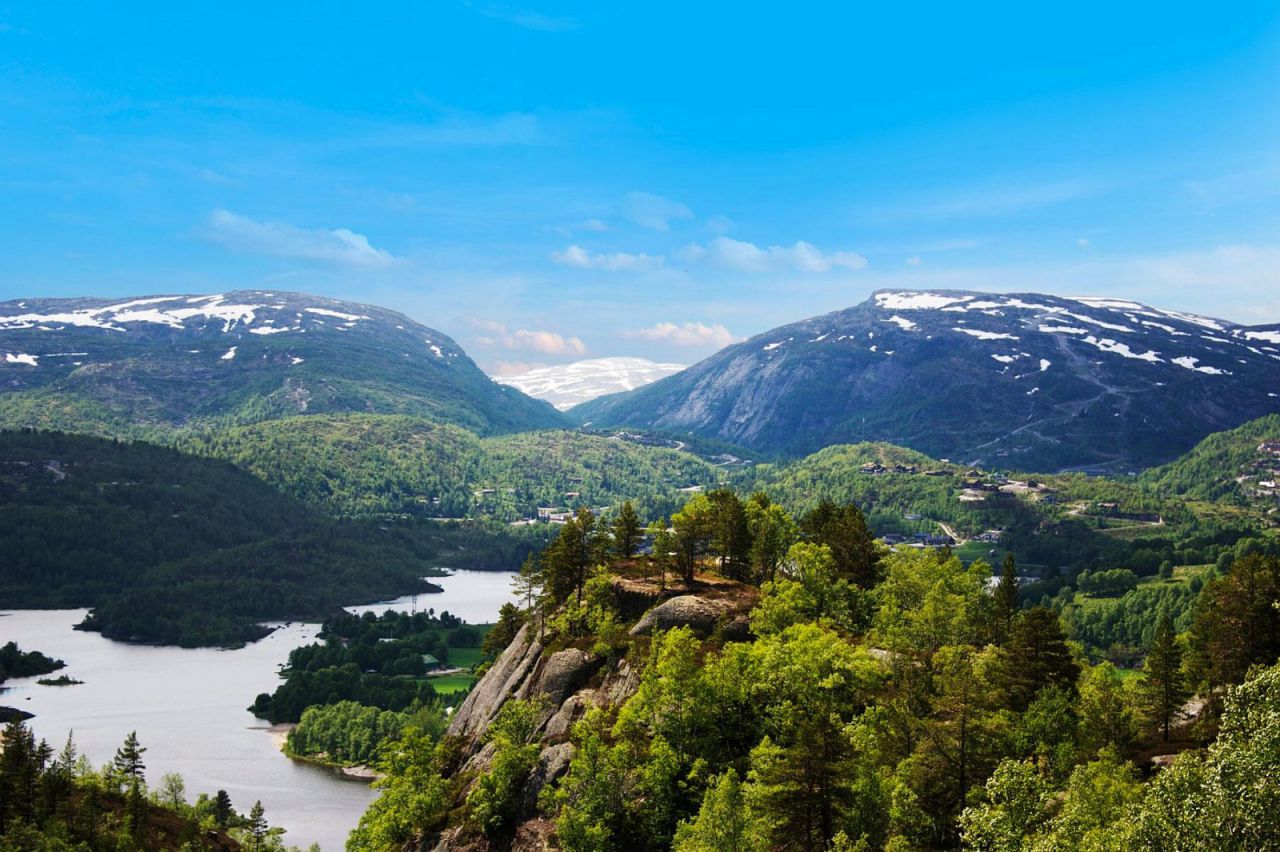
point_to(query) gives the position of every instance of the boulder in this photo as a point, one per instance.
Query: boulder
(698, 614)
(507, 674)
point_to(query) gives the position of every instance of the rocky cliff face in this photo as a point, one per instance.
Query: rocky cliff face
(569, 682)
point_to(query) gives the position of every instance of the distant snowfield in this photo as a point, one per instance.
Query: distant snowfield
(566, 385)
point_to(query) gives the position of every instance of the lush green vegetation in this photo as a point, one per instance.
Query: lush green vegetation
(348, 733)
(58, 802)
(884, 700)
(1210, 469)
(14, 662)
(373, 660)
(388, 465)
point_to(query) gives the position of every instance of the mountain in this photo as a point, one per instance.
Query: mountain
(567, 385)
(1023, 380)
(138, 367)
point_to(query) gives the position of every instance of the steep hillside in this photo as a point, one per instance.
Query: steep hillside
(1241, 465)
(142, 367)
(567, 385)
(1023, 380)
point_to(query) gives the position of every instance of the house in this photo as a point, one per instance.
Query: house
(937, 472)
(872, 468)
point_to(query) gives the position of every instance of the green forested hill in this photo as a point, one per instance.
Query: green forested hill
(174, 548)
(362, 464)
(1225, 465)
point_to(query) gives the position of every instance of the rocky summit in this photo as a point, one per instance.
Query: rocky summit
(1022, 380)
(138, 366)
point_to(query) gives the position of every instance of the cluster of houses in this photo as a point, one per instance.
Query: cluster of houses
(1261, 479)
(877, 469)
(919, 540)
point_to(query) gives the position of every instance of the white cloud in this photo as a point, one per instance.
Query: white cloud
(533, 340)
(1082, 242)
(280, 239)
(744, 256)
(914, 260)
(577, 256)
(685, 334)
(653, 211)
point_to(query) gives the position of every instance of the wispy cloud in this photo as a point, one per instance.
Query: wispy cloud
(525, 18)
(742, 256)
(531, 340)
(621, 261)
(340, 245)
(653, 211)
(685, 334)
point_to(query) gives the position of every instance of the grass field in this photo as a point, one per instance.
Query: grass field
(449, 684)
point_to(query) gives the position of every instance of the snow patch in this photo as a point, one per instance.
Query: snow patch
(325, 312)
(917, 301)
(231, 353)
(1269, 336)
(22, 358)
(985, 335)
(902, 322)
(1005, 359)
(1191, 364)
(1108, 345)
(1062, 329)
(1044, 364)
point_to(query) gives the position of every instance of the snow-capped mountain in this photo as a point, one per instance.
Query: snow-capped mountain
(567, 385)
(1020, 380)
(128, 366)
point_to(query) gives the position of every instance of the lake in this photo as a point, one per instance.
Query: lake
(188, 707)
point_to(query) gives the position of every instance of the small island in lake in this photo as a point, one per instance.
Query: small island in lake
(60, 680)
(14, 662)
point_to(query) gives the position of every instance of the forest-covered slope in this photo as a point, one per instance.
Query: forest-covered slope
(174, 548)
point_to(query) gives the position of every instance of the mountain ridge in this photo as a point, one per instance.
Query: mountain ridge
(137, 366)
(1019, 379)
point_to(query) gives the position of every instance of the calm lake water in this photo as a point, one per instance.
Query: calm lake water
(188, 708)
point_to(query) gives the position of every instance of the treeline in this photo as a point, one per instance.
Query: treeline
(58, 802)
(882, 700)
(373, 660)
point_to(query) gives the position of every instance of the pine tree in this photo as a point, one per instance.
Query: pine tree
(1164, 686)
(128, 760)
(257, 826)
(1006, 599)
(1036, 656)
(626, 531)
(843, 528)
(222, 809)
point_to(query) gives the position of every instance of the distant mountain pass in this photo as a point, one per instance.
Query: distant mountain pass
(1025, 380)
(150, 365)
(567, 385)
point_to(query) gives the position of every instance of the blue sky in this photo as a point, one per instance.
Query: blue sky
(550, 181)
